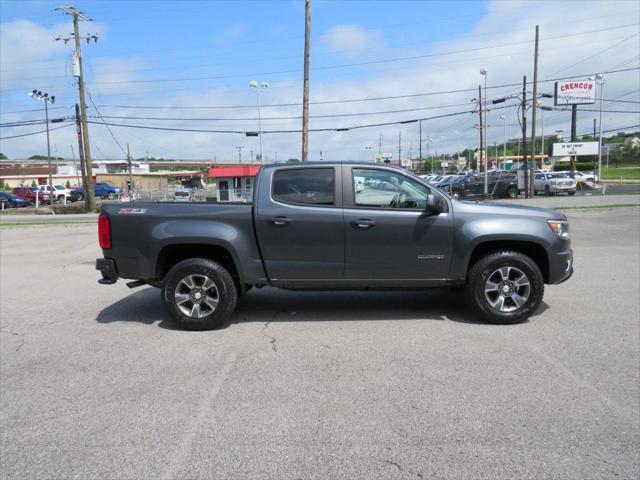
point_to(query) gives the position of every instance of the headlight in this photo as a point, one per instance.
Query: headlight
(560, 228)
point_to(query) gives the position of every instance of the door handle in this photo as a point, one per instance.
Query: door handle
(280, 221)
(363, 223)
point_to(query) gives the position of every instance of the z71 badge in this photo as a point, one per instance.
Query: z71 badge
(132, 211)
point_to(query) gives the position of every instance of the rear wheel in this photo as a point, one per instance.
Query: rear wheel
(512, 192)
(111, 196)
(505, 287)
(571, 192)
(200, 294)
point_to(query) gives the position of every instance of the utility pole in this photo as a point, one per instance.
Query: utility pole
(130, 174)
(77, 15)
(46, 117)
(480, 153)
(305, 93)
(380, 145)
(420, 146)
(524, 137)
(399, 148)
(83, 169)
(73, 159)
(533, 113)
(239, 154)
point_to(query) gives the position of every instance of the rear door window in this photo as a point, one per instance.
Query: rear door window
(304, 186)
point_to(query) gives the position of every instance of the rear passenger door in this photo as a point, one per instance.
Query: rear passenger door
(299, 223)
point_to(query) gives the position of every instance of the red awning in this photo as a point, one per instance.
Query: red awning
(235, 171)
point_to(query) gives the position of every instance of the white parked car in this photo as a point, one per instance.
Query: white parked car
(58, 191)
(553, 183)
(183, 195)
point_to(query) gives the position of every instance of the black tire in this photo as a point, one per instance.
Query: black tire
(80, 197)
(513, 192)
(457, 193)
(225, 290)
(485, 268)
(547, 190)
(571, 192)
(111, 196)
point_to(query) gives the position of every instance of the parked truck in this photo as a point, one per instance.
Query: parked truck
(329, 226)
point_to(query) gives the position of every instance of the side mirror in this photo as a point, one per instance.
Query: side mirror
(434, 204)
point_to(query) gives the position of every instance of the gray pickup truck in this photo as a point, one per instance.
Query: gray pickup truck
(335, 226)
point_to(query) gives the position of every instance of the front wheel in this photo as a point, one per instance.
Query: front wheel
(571, 192)
(200, 294)
(512, 192)
(111, 196)
(547, 190)
(505, 287)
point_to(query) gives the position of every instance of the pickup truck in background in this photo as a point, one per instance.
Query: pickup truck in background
(330, 226)
(100, 189)
(498, 186)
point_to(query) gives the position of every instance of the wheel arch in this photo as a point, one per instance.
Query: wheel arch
(172, 254)
(533, 250)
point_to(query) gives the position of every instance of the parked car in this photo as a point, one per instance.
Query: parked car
(498, 186)
(30, 193)
(582, 177)
(58, 191)
(102, 190)
(308, 228)
(9, 200)
(183, 195)
(553, 183)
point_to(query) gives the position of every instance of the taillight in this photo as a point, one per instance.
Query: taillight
(104, 231)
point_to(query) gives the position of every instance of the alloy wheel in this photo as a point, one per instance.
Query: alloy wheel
(507, 289)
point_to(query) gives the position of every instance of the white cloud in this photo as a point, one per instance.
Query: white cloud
(501, 41)
(351, 39)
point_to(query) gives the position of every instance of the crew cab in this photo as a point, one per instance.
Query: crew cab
(335, 226)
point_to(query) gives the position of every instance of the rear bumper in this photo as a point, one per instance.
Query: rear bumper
(107, 267)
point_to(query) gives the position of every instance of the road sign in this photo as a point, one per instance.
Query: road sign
(575, 148)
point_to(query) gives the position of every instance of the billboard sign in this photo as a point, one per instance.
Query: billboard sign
(575, 92)
(575, 148)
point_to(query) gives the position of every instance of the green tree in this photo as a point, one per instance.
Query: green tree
(33, 183)
(68, 184)
(2, 156)
(625, 153)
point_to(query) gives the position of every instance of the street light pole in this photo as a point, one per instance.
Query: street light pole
(262, 86)
(483, 72)
(600, 79)
(38, 95)
(504, 144)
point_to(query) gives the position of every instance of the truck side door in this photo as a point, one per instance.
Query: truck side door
(299, 224)
(390, 238)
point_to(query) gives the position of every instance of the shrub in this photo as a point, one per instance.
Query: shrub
(68, 184)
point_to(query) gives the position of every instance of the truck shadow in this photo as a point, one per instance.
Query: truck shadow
(274, 305)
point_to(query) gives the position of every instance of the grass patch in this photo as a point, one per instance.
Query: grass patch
(626, 173)
(594, 207)
(51, 222)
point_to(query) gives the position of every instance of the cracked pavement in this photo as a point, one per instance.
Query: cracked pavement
(96, 382)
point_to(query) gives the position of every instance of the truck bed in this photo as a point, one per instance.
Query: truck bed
(141, 231)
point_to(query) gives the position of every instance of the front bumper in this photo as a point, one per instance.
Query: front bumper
(561, 267)
(107, 268)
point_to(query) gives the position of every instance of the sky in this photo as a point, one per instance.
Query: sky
(186, 65)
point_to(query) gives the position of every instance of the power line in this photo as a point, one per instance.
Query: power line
(36, 133)
(366, 99)
(105, 123)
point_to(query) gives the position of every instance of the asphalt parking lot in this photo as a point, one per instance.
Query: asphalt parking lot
(95, 381)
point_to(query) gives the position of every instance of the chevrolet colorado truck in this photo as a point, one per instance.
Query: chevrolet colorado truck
(329, 226)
